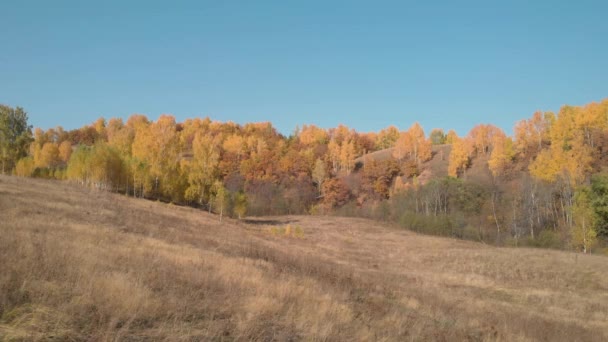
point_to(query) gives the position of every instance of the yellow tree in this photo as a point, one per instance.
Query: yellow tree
(156, 153)
(342, 149)
(25, 167)
(333, 152)
(451, 137)
(421, 148)
(583, 233)
(571, 164)
(100, 128)
(48, 156)
(202, 170)
(137, 121)
(532, 134)
(340, 134)
(165, 155)
(65, 151)
(235, 144)
(523, 137)
(234, 153)
(78, 166)
(459, 157)
(413, 144)
(220, 198)
(387, 138)
(190, 128)
(563, 130)
(121, 139)
(481, 137)
(139, 162)
(312, 134)
(105, 167)
(500, 158)
(569, 155)
(502, 154)
(347, 155)
(546, 166)
(591, 120)
(401, 149)
(35, 148)
(113, 126)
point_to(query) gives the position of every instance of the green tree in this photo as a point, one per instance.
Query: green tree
(220, 198)
(15, 136)
(437, 136)
(583, 233)
(100, 166)
(240, 204)
(78, 169)
(106, 167)
(599, 202)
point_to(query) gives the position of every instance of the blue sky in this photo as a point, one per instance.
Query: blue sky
(366, 64)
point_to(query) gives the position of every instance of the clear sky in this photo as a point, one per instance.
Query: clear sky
(367, 64)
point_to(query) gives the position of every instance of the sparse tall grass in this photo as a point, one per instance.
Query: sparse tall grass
(84, 265)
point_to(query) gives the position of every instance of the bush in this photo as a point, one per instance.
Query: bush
(546, 239)
(349, 210)
(287, 231)
(25, 167)
(442, 225)
(471, 233)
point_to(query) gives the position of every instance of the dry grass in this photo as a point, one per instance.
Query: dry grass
(77, 264)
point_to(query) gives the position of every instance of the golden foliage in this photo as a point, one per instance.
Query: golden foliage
(65, 151)
(25, 167)
(414, 145)
(311, 134)
(502, 154)
(459, 157)
(387, 138)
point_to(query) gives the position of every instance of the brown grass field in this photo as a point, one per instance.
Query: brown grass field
(83, 265)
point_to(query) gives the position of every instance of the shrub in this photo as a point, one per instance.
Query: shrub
(25, 167)
(546, 239)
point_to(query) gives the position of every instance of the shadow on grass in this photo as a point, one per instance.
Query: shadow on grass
(267, 222)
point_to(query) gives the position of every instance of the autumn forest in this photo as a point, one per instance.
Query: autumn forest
(545, 186)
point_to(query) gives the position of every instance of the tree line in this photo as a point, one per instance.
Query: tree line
(543, 186)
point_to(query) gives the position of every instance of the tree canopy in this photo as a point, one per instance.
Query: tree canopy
(545, 181)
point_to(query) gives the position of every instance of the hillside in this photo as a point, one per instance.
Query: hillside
(435, 168)
(79, 264)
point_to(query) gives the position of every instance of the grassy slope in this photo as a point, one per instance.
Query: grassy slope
(437, 166)
(78, 264)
